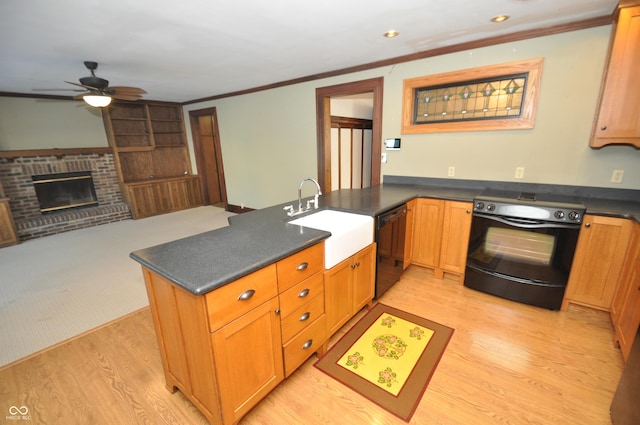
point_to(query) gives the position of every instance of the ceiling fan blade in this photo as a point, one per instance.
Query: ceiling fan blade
(126, 90)
(127, 96)
(76, 90)
(82, 85)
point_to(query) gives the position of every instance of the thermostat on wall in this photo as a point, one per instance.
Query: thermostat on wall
(392, 144)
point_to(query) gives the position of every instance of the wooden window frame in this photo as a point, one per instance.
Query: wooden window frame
(527, 117)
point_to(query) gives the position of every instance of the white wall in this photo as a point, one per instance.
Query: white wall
(554, 151)
(269, 141)
(27, 123)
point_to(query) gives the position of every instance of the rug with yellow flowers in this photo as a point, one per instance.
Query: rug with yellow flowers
(389, 357)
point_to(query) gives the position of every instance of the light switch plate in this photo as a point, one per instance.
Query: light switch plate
(616, 176)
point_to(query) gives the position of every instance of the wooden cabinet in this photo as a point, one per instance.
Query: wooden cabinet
(597, 263)
(302, 308)
(8, 234)
(223, 350)
(625, 309)
(441, 235)
(427, 235)
(617, 120)
(151, 156)
(248, 360)
(162, 196)
(409, 231)
(349, 286)
(227, 349)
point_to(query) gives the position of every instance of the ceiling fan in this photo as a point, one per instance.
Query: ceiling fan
(99, 93)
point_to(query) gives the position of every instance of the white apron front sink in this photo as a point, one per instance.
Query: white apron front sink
(349, 233)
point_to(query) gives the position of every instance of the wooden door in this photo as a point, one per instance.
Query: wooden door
(208, 153)
(248, 359)
(428, 232)
(323, 122)
(455, 236)
(598, 261)
(617, 121)
(364, 278)
(338, 294)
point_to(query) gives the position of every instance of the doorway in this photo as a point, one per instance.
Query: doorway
(208, 154)
(323, 122)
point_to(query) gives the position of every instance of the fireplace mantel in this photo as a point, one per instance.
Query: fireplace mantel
(57, 152)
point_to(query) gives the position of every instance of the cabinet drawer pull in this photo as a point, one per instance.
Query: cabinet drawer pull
(587, 225)
(307, 344)
(303, 293)
(305, 316)
(604, 127)
(246, 294)
(302, 266)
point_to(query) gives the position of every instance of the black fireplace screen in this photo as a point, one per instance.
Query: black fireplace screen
(61, 191)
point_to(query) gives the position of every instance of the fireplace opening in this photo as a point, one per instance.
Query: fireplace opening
(62, 191)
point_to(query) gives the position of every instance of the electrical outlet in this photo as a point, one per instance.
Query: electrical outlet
(384, 158)
(519, 172)
(616, 176)
(452, 171)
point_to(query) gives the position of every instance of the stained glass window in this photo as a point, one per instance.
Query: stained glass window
(493, 97)
(496, 98)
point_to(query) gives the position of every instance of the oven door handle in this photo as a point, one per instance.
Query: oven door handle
(527, 224)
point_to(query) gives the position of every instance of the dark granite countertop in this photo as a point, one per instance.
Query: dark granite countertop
(204, 262)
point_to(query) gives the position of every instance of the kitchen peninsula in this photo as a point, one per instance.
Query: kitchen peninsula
(194, 285)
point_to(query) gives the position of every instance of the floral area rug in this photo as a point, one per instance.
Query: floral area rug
(389, 357)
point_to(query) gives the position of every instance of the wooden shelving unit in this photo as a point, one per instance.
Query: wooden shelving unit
(151, 156)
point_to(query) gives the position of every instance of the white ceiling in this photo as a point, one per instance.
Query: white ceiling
(190, 49)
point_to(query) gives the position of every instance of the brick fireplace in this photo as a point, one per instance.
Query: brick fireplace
(16, 178)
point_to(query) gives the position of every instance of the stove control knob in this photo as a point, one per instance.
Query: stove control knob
(559, 214)
(491, 207)
(574, 215)
(479, 205)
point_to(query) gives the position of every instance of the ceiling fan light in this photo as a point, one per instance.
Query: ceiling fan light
(97, 101)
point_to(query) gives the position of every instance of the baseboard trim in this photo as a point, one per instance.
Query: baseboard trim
(238, 209)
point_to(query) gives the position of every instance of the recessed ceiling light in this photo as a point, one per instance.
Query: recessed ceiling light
(391, 34)
(500, 18)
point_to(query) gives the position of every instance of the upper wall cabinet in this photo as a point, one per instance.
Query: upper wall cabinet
(618, 110)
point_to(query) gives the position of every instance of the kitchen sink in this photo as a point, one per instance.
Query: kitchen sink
(349, 233)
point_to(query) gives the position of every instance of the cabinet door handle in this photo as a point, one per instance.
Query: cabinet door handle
(307, 344)
(246, 294)
(302, 266)
(604, 127)
(303, 293)
(305, 316)
(587, 225)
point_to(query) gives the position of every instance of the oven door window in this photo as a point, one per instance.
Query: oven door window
(541, 255)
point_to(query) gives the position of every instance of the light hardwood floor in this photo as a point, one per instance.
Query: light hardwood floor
(506, 363)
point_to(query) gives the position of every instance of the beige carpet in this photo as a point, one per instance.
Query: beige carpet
(59, 286)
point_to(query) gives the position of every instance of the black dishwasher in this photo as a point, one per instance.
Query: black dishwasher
(390, 236)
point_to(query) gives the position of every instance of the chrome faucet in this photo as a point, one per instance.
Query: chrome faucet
(315, 199)
(289, 208)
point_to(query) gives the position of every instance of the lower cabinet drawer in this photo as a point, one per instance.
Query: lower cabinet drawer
(303, 316)
(303, 345)
(231, 301)
(300, 294)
